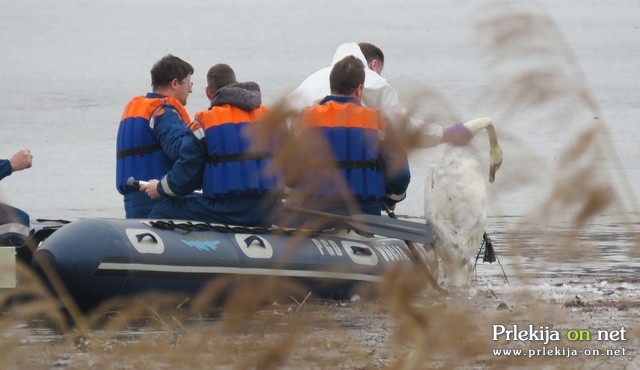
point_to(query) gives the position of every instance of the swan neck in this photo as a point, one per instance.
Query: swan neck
(493, 137)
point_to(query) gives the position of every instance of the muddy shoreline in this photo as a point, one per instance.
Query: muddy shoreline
(427, 331)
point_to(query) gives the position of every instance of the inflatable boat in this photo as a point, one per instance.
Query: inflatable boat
(98, 259)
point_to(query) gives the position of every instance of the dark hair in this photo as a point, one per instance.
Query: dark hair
(346, 76)
(371, 52)
(220, 75)
(167, 69)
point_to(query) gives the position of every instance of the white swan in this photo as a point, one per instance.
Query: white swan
(456, 202)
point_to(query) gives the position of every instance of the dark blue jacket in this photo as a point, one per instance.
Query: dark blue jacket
(5, 168)
(229, 197)
(10, 214)
(188, 173)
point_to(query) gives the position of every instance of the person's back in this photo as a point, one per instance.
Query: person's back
(237, 177)
(377, 93)
(150, 130)
(346, 154)
(234, 166)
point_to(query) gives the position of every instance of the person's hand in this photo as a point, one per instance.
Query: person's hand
(151, 188)
(457, 134)
(21, 160)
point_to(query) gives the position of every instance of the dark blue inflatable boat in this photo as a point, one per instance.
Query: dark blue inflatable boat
(98, 259)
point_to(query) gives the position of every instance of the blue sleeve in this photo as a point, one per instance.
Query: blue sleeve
(168, 129)
(396, 182)
(5, 168)
(186, 174)
(397, 174)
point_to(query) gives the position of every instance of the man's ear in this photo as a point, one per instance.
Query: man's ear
(376, 66)
(358, 92)
(174, 83)
(209, 93)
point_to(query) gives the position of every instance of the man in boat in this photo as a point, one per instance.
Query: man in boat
(14, 222)
(150, 132)
(348, 162)
(228, 154)
(378, 93)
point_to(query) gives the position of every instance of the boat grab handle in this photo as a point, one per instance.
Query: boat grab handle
(250, 239)
(143, 235)
(361, 250)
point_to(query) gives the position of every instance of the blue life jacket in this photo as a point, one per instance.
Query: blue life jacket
(353, 133)
(139, 153)
(236, 165)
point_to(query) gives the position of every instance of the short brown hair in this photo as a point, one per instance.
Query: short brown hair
(346, 76)
(220, 75)
(371, 52)
(167, 69)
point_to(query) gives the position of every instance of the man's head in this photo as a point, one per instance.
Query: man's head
(220, 75)
(171, 76)
(347, 77)
(373, 55)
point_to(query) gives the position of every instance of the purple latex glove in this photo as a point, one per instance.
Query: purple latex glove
(457, 134)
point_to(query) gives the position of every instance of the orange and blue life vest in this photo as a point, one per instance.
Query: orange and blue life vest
(353, 133)
(236, 165)
(139, 152)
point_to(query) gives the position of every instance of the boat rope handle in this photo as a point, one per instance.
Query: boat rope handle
(203, 226)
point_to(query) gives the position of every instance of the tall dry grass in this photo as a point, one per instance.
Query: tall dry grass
(275, 323)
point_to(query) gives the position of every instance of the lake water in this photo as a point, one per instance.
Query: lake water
(69, 67)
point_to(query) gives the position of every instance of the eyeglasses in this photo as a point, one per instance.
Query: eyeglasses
(188, 83)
